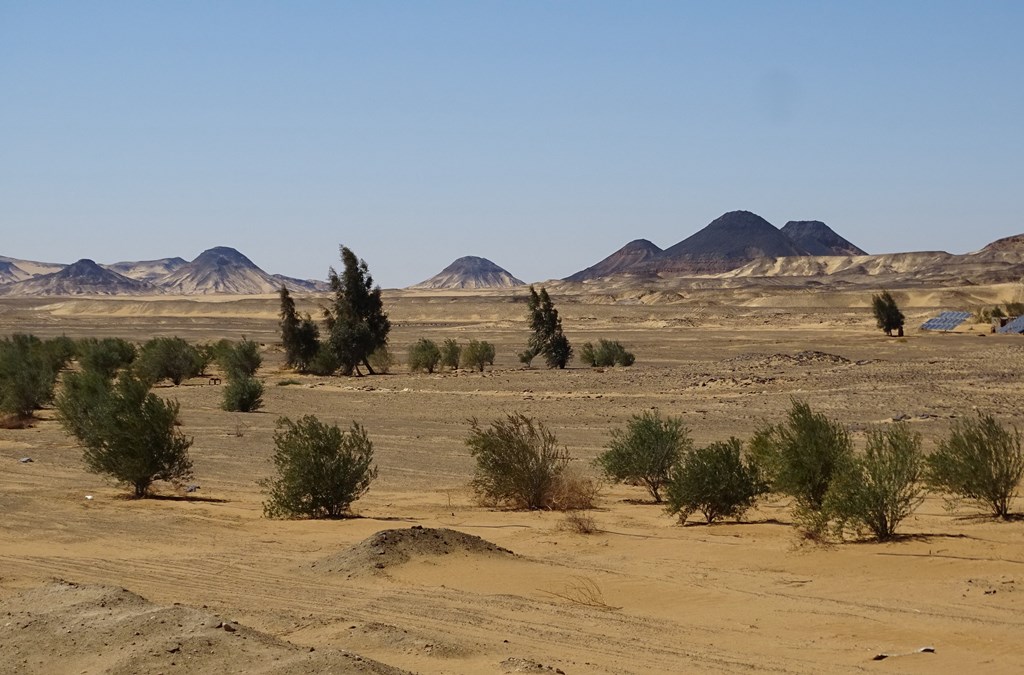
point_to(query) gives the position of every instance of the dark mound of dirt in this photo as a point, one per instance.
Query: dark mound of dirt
(804, 358)
(70, 628)
(389, 548)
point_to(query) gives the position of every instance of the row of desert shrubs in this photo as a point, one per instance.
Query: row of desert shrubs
(606, 353)
(425, 355)
(810, 459)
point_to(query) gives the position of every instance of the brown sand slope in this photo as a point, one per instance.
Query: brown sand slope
(67, 627)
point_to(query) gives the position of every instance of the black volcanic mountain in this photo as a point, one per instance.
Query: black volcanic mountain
(224, 270)
(627, 260)
(471, 272)
(84, 277)
(10, 273)
(817, 238)
(728, 242)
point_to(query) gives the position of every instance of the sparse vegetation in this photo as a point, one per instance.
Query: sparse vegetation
(574, 489)
(450, 354)
(168, 358)
(518, 462)
(106, 356)
(547, 339)
(382, 360)
(357, 324)
(646, 451)
(243, 394)
(887, 314)
(321, 469)
(127, 432)
(424, 355)
(300, 335)
(607, 353)
(715, 481)
(802, 455)
(980, 461)
(240, 361)
(879, 490)
(477, 355)
(28, 373)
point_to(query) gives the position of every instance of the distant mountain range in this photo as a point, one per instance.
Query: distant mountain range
(735, 246)
(471, 272)
(217, 270)
(728, 242)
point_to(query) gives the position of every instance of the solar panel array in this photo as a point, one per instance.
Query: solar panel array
(1015, 326)
(946, 321)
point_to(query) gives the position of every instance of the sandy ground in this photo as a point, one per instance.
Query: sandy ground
(641, 595)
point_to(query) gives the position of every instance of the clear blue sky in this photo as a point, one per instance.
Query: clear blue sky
(541, 135)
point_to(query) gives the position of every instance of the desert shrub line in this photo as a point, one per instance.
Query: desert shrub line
(424, 355)
(606, 353)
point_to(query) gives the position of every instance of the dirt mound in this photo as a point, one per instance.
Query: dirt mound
(804, 358)
(66, 627)
(389, 548)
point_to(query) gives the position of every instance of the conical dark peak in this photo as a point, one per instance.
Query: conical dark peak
(819, 239)
(471, 272)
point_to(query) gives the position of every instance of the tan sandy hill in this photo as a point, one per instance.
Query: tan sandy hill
(66, 627)
(817, 238)
(10, 273)
(147, 270)
(471, 272)
(223, 269)
(630, 259)
(84, 277)
(25, 269)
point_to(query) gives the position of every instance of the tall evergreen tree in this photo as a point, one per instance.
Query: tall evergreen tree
(300, 335)
(356, 322)
(547, 340)
(887, 313)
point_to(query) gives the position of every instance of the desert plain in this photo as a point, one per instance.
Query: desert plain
(210, 585)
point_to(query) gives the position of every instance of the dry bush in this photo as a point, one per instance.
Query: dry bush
(574, 490)
(579, 522)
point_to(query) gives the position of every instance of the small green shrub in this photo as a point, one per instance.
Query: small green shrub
(450, 353)
(243, 394)
(323, 363)
(645, 451)
(168, 359)
(477, 355)
(877, 491)
(288, 383)
(715, 481)
(239, 360)
(518, 462)
(800, 456)
(607, 353)
(980, 461)
(127, 432)
(321, 469)
(526, 357)
(424, 355)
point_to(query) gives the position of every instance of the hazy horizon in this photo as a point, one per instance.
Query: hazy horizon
(542, 136)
